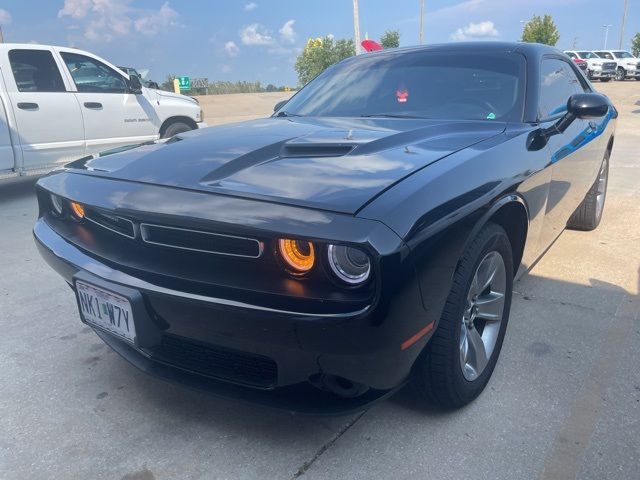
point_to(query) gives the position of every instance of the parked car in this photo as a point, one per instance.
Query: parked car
(597, 68)
(147, 83)
(58, 104)
(627, 66)
(582, 65)
(366, 235)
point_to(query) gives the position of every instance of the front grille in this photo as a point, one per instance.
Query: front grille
(218, 362)
(114, 223)
(609, 66)
(200, 241)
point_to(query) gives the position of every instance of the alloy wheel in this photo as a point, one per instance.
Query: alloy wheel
(620, 74)
(602, 188)
(483, 314)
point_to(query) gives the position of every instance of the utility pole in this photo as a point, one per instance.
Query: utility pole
(606, 34)
(1, 37)
(575, 43)
(356, 26)
(624, 21)
(421, 22)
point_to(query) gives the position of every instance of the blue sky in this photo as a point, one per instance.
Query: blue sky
(259, 40)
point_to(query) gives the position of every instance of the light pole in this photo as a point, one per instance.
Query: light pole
(421, 21)
(356, 26)
(522, 25)
(606, 34)
(624, 21)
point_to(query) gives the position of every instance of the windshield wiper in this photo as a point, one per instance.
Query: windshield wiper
(390, 115)
(282, 113)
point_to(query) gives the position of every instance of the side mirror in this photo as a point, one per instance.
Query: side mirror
(279, 105)
(135, 85)
(588, 105)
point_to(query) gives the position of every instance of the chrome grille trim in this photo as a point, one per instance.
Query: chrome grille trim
(144, 235)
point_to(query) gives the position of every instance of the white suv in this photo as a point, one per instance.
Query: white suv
(627, 66)
(597, 67)
(58, 104)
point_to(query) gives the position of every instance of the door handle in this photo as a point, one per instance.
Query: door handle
(93, 105)
(28, 106)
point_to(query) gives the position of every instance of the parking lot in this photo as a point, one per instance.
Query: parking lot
(564, 400)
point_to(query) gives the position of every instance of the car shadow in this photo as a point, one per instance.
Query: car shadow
(16, 188)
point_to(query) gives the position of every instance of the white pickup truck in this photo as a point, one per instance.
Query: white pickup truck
(627, 66)
(58, 104)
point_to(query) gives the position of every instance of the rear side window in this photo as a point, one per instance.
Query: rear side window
(91, 75)
(35, 71)
(606, 55)
(558, 82)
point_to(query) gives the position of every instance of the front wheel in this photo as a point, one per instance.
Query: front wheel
(588, 215)
(620, 74)
(175, 128)
(457, 363)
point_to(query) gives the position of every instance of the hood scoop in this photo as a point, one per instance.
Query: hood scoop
(315, 150)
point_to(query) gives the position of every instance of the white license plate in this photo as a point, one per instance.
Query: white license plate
(106, 310)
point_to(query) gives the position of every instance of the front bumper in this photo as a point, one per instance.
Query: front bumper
(302, 346)
(602, 73)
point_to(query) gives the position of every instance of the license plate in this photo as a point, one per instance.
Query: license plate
(106, 310)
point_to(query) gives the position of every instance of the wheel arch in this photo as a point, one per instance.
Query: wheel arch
(176, 119)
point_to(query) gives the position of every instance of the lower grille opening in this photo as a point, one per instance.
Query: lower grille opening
(218, 362)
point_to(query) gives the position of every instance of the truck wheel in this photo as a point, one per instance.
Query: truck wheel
(620, 74)
(460, 357)
(589, 74)
(603, 79)
(588, 215)
(175, 128)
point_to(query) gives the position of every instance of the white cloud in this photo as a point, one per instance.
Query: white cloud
(474, 31)
(250, 7)
(256, 34)
(231, 48)
(103, 20)
(287, 33)
(5, 17)
(153, 22)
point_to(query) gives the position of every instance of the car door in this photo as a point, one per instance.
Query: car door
(48, 120)
(113, 116)
(575, 154)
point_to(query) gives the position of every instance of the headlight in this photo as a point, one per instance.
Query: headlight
(56, 202)
(349, 264)
(597, 64)
(78, 210)
(299, 255)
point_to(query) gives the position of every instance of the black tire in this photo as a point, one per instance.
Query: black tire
(175, 128)
(438, 373)
(588, 215)
(621, 74)
(605, 79)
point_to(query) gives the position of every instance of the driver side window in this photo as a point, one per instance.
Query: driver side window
(93, 76)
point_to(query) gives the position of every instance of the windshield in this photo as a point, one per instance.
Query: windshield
(417, 85)
(623, 55)
(606, 55)
(587, 55)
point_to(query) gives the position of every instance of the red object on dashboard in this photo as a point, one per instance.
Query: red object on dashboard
(370, 45)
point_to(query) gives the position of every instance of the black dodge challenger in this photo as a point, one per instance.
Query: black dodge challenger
(365, 236)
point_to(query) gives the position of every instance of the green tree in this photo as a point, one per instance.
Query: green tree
(390, 39)
(168, 83)
(320, 53)
(635, 44)
(541, 30)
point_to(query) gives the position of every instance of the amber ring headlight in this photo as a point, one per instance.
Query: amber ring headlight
(350, 265)
(56, 203)
(77, 209)
(299, 255)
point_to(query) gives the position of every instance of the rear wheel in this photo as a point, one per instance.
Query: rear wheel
(459, 360)
(175, 128)
(588, 215)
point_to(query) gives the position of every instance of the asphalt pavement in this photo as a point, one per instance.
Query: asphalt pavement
(563, 403)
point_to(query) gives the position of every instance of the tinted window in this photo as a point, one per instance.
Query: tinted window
(557, 83)
(571, 55)
(418, 84)
(90, 75)
(623, 55)
(587, 55)
(35, 71)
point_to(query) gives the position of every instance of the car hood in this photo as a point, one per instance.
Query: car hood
(164, 93)
(336, 164)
